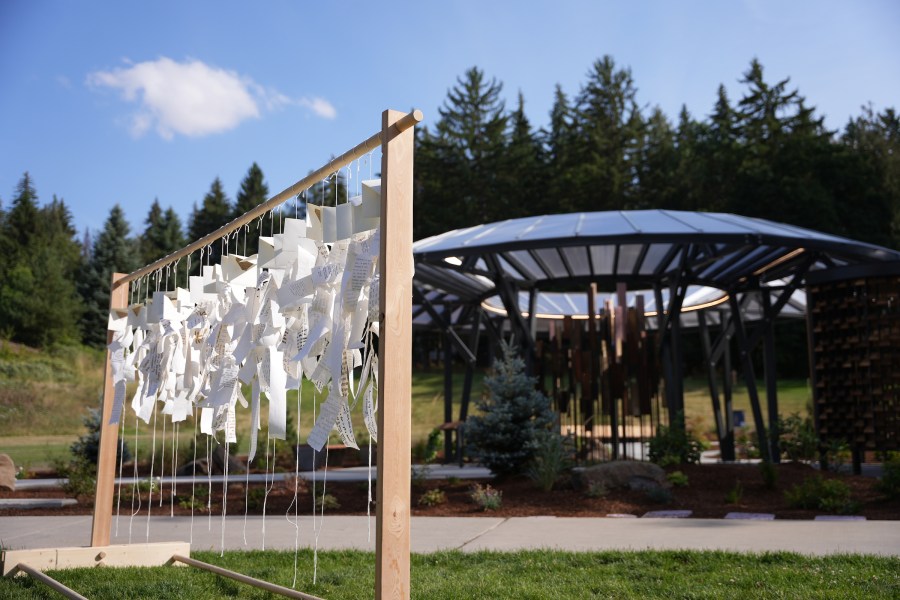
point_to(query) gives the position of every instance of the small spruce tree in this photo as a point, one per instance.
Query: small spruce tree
(507, 434)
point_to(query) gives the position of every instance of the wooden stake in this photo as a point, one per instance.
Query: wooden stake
(257, 583)
(395, 362)
(109, 434)
(50, 582)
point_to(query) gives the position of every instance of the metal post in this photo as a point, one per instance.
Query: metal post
(771, 379)
(750, 379)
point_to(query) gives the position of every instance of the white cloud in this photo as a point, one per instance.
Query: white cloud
(194, 99)
(319, 106)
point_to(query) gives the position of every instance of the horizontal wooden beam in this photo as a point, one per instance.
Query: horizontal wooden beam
(374, 141)
(120, 555)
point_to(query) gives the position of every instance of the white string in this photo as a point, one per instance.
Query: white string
(209, 481)
(268, 486)
(224, 497)
(121, 461)
(152, 462)
(322, 521)
(246, 496)
(162, 457)
(194, 475)
(295, 502)
(174, 460)
(134, 482)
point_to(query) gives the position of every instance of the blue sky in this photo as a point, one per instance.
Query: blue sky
(106, 102)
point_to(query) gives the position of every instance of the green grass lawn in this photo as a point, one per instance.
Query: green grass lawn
(500, 576)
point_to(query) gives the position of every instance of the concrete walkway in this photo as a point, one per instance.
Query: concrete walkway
(470, 534)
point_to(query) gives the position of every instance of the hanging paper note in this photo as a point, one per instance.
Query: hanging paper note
(328, 414)
(277, 397)
(369, 417)
(345, 426)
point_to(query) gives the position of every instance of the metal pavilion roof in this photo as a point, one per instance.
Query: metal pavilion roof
(643, 248)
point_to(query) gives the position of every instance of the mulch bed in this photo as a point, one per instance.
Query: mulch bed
(705, 495)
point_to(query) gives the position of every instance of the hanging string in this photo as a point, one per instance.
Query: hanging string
(135, 488)
(209, 481)
(269, 484)
(152, 461)
(295, 502)
(224, 497)
(162, 459)
(121, 461)
(174, 460)
(322, 521)
(194, 463)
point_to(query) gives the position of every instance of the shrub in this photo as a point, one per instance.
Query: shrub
(327, 501)
(890, 477)
(596, 489)
(837, 452)
(769, 475)
(81, 477)
(551, 460)
(87, 447)
(677, 478)
(426, 451)
(797, 439)
(735, 494)
(433, 497)
(818, 493)
(674, 445)
(505, 437)
(487, 498)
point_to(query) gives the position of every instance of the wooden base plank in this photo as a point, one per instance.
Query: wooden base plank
(122, 555)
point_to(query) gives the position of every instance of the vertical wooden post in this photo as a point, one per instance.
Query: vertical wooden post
(109, 434)
(395, 362)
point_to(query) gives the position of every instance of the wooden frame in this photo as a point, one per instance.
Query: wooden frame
(395, 351)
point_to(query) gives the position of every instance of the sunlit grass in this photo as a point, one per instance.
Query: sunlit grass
(503, 576)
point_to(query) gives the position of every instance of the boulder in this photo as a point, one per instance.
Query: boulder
(623, 474)
(7, 473)
(218, 462)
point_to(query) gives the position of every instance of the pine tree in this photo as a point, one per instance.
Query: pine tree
(113, 252)
(608, 123)
(783, 148)
(253, 192)
(162, 234)
(214, 212)
(657, 165)
(523, 174)
(38, 304)
(506, 435)
(461, 160)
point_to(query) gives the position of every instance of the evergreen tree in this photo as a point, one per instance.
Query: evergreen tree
(253, 192)
(559, 143)
(38, 304)
(608, 126)
(113, 252)
(875, 140)
(461, 161)
(162, 234)
(214, 212)
(783, 148)
(657, 166)
(505, 435)
(524, 172)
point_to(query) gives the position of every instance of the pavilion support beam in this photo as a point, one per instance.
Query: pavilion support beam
(750, 378)
(721, 430)
(771, 379)
(728, 449)
(448, 395)
(470, 368)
